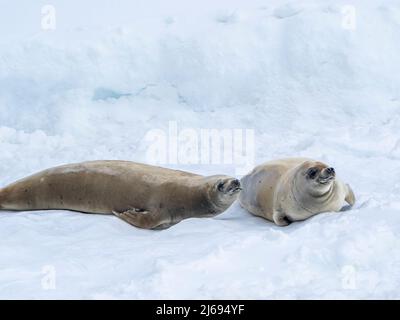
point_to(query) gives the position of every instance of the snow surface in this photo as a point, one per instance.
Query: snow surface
(307, 83)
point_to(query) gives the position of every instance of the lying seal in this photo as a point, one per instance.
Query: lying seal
(294, 189)
(145, 196)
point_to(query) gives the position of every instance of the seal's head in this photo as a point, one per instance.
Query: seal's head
(317, 177)
(223, 190)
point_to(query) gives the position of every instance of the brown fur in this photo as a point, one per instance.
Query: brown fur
(142, 195)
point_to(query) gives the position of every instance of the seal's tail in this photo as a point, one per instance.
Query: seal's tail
(1, 198)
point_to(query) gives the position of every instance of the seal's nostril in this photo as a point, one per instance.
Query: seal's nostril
(331, 170)
(236, 182)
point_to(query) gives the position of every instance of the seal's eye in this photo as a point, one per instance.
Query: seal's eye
(312, 173)
(220, 186)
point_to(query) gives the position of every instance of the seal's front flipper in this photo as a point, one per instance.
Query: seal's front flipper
(350, 197)
(281, 219)
(165, 225)
(139, 218)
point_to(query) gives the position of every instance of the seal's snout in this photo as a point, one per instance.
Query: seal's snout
(330, 171)
(236, 183)
(232, 186)
(326, 175)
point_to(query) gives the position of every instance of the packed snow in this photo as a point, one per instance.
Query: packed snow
(309, 78)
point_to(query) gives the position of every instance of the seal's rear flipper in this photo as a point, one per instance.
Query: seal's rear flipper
(350, 197)
(1, 199)
(139, 218)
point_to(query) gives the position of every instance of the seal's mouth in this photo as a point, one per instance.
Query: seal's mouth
(234, 190)
(230, 187)
(326, 176)
(325, 180)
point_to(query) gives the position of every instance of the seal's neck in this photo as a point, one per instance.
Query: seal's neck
(312, 201)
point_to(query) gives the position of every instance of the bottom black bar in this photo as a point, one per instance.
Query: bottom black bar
(197, 309)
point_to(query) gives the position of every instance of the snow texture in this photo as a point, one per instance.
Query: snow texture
(308, 81)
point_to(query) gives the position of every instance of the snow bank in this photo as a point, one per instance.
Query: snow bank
(308, 81)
